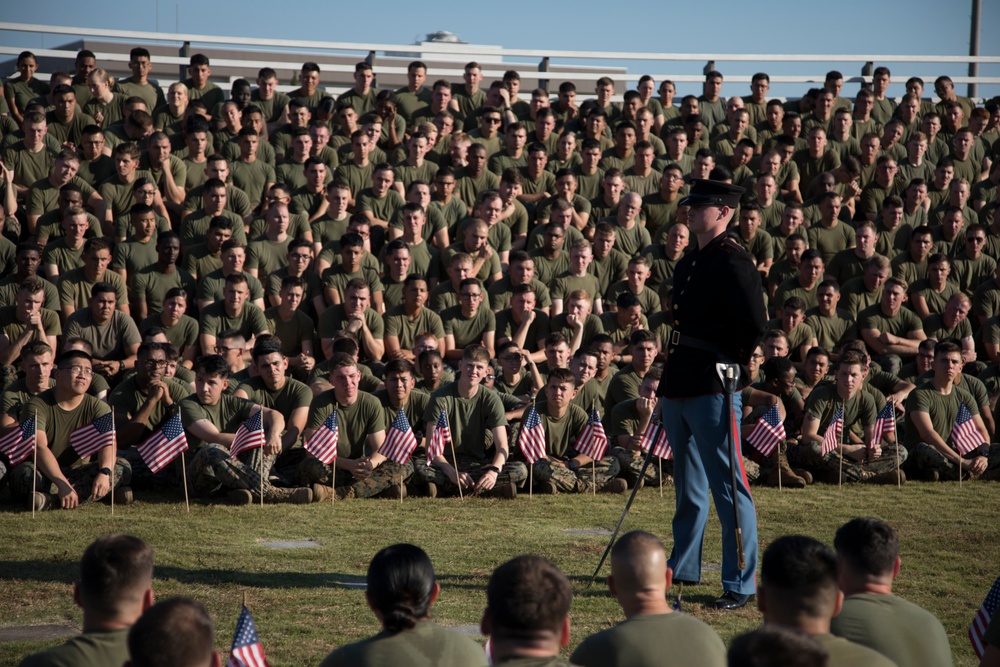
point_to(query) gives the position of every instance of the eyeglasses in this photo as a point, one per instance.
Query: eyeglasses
(466, 295)
(491, 376)
(975, 239)
(78, 370)
(156, 363)
(756, 356)
(491, 120)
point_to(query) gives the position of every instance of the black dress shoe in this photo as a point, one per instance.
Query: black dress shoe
(732, 600)
(685, 582)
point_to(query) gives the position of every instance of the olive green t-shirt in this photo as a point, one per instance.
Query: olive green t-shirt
(900, 324)
(58, 424)
(843, 653)
(425, 645)
(942, 410)
(199, 261)
(226, 415)
(896, 628)
(829, 241)
(499, 293)
(859, 412)
(831, 331)
(127, 398)
(134, 255)
(195, 226)
(566, 283)
(91, 649)
(506, 328)
(151, 286)
(250, 321)
(14, 396)
(670, 640)
(12, 327)
(291, 397)
(469, 419)
(624, 386)
(561, 434)
(110, 340)
(355, 422)
(406, 330)
(212, 287)
(267, 256)
(335, 318)
(180, 335)
(292, 332)
(74, 288)
(468, 330)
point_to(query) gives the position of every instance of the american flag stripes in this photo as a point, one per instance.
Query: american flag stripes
(834, 431)
(982, 619)
(165, 445)
(19, 443)
(399, 440)
(964, 433)
(93, 437)
(593, 441)
(440, 438)
(884, 423)
(247, 650)
(655, 436)
(532, 438)
(250, 434)
(323, 443)
(768, 433)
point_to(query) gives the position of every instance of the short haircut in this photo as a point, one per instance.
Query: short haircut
(212, 365)
(102, 287)
(115, 569)
(799, 577)
(776, 646)
(562, 376)
(525, 596)
(476, 353)
(867, 546)
(176, 631)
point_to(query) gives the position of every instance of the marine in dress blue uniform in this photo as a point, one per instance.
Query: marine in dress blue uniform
(719, 316)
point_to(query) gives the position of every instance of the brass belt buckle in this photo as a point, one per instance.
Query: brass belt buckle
(675, 337)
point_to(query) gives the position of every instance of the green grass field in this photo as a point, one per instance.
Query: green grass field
(307, 601)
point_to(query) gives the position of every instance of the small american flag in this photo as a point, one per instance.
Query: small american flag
(655, 436)
(768, 433)
(250, 434)
(440, 438)
(982, 619)
(323, 443)
(93, 437)
(532, 438)
(19, 443)
(885, 423)
(399, 441)
(834, 431)
(246, 651)
(964, 433)
(593, 442)
(165, 445)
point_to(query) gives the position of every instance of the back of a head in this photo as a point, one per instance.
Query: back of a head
(115, 573)
(639, 563)
(774, 646)
(868, 547)
(401, 585)
(527, 598)
(799, 579)
(177, 632)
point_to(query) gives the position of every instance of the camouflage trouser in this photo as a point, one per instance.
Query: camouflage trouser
(513, 471)
(81, 477)
(313, 471)
(630, 465)
(214, 471)
(924, 457)
(581, 480)
(826, 467)
(4, 467)
(168, 479)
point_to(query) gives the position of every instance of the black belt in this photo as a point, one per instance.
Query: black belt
(679, 339)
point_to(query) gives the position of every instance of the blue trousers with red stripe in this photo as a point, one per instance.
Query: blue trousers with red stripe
(698, 430)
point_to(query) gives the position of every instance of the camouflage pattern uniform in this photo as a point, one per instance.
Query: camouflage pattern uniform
(630, 465)
(582, 480)
(214, 471)
(924, 457)
(168, 479)
(312, 471)
(827, 467)
(513, 471)
(81, 477)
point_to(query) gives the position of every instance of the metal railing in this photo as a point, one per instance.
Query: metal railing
(493, 57)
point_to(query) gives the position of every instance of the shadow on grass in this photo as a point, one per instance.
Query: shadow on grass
(67, 571)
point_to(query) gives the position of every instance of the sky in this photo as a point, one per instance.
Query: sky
(892, 27)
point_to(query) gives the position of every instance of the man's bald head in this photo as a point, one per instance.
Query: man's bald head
(639, 564)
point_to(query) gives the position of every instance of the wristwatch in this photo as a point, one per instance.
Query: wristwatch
(104, 471)
(493, 468)
(572, 464)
